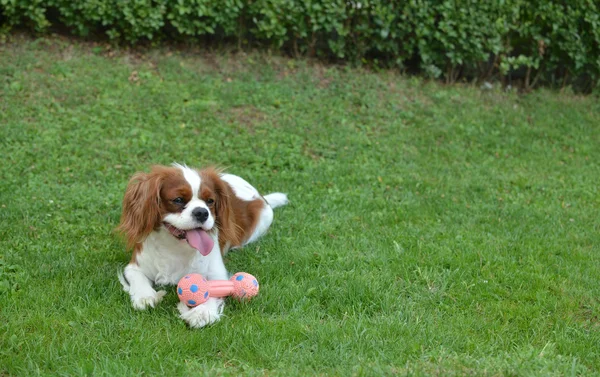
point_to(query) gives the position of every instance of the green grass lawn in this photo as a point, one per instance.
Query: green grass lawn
(433, 230)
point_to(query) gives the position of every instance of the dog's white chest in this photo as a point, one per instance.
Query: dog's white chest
(165, 259)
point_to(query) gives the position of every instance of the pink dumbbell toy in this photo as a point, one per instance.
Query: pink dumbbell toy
(194, 289)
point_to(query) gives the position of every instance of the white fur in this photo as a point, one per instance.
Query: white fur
(273, 200)
(139, 287)
(164, 259)
(202, 315)
(241, 188)
(192, 177)
(264, 222)
(276, 199)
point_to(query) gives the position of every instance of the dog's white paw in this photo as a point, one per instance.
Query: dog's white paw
(143, 300)
(202, 315)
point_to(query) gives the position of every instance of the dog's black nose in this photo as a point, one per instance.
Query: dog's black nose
(200, 214)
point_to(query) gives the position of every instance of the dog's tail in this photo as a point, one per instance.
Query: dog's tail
(277, 199)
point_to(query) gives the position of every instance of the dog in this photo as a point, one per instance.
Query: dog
(178, 220)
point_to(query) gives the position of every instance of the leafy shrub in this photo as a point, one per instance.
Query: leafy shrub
(549, 40)
(200, 17)
(29, 13)
(128, 20)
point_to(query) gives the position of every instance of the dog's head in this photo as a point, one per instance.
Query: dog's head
(186, 202)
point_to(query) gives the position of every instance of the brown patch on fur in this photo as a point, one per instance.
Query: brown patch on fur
(235, 218)
(147, 198)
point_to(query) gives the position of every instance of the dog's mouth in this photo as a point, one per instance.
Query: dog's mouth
(197, 238)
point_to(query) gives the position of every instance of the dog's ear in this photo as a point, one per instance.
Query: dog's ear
(229, 231)
(141, 207)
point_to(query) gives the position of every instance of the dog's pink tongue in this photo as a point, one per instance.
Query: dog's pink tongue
(200, 240)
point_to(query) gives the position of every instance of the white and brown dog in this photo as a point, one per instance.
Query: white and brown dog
(179, 220)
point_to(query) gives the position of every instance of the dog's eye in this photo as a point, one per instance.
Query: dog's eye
(210, 201)
(178, 201)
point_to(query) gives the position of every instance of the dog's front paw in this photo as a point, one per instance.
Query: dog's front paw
(202, 315)
(143, 300)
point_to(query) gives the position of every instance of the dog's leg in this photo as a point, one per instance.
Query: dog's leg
(139, 288)
(211, 310)
(202, 315)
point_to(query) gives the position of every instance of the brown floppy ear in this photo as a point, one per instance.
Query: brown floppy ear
(141, 207)
(225, 216)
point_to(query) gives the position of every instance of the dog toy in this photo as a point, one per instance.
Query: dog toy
(194, 289)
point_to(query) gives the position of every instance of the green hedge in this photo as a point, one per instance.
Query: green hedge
(557, 41)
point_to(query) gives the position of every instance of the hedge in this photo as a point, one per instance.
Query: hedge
(537, 40)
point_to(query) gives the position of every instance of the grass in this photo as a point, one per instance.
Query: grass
(433, 230)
